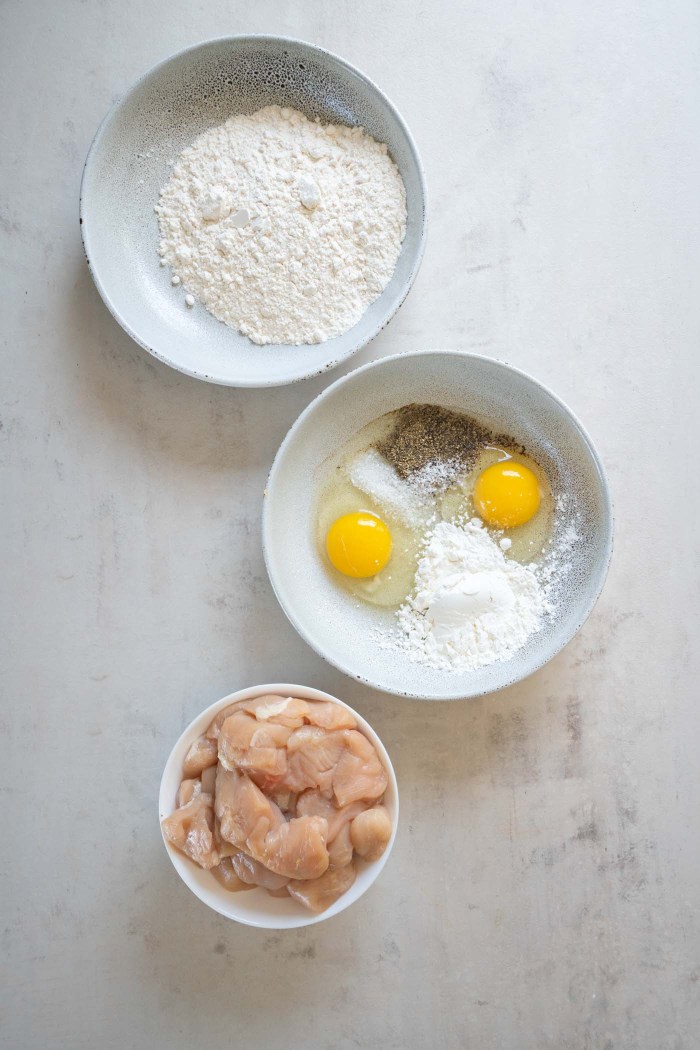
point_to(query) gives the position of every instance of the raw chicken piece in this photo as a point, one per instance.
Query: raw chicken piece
(251, 821)
(227, 849)
(313, 804)
(216, 723)
(209, 779)
(223, 847)
(240, 806)
(341, 848)
(287, 802)
(328, 715)
(245, 745)
(191, 829)
(319, 894)
(200, 756)
(254, 873)
(225, 874)
(186, 792)
(370, 832)
(235, 736)
(312, 755)
(296, 849)
(282, 710)
(270, 734)
(359, 772)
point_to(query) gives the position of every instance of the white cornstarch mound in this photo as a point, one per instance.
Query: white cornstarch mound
(470, 605)
(283, 228)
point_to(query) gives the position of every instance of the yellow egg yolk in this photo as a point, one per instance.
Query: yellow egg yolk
(507, 494)
(359, 545)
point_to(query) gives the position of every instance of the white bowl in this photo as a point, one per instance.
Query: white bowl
(256, 907)
(130, 160)
(343, 629)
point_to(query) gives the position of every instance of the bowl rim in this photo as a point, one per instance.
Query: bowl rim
(84, 206)
(183, 865)
(461, 354)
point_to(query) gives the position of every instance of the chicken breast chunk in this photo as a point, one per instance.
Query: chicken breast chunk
(225, 875)
(370, 832)
(191, 829)
(319, 894)
(254, 873)
(359, 773)
(200, 756)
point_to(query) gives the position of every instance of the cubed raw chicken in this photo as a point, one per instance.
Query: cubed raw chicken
(283, 710)
(370, 832)
(186, 792)
(287, 802)
(296, 848)
(359, 773)
(314, 804)
(214, 727)
(319, 894)
(191, 829)
(312, 756)
(225, 874)
(254, 749)
(209, 779)
(200, 756)
(256, 874)
(280, 793)
(249, 820)
(341, 849)
(328, 715)
(240, 806)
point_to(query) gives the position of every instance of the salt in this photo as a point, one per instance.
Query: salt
(372, 474)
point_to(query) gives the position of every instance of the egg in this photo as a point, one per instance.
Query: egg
(507, 494)
(358, 545)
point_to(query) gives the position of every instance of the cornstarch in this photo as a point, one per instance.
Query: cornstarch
(470, 605)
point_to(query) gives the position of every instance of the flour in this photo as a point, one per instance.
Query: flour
(283, 228)
(470, 606)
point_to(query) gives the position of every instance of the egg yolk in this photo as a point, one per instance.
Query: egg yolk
(359, 545)
(507, 494)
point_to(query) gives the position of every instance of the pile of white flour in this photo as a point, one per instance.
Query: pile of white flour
(470, 605)
(283, 228)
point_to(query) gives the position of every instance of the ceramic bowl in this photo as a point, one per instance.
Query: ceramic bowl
(131, 158)
(344, 629)
(256, 907)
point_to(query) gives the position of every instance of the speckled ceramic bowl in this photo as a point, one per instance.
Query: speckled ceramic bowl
(344, 629)
(131, 158)
(256, 907)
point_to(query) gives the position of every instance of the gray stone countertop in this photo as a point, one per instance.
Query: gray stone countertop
(543, 891)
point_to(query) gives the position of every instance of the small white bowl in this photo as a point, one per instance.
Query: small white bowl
(256, 907)
(130, 161)
(344, 629)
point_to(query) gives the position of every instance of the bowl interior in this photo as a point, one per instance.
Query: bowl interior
(343, 629)
(131, 159)
(256, 907)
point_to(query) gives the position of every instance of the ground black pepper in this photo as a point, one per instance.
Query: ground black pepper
(427, 435)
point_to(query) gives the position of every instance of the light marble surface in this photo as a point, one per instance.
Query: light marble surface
(544, 887)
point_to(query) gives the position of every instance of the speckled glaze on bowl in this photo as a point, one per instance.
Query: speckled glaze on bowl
(343, 629)
(256, 907)
(130, 160)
